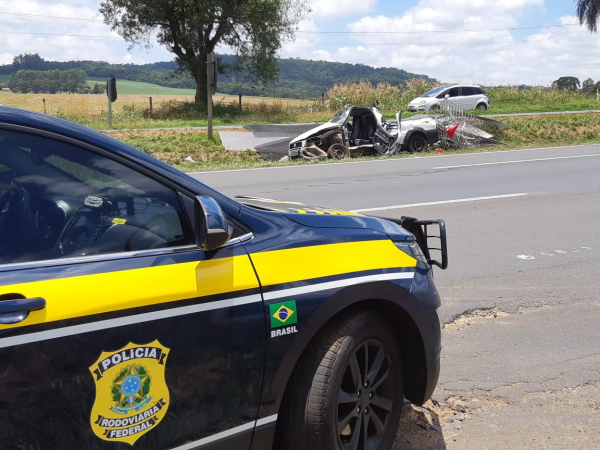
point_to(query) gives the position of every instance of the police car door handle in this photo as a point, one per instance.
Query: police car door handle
(16, 310)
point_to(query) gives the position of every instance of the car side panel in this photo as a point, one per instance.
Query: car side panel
(470, 102)
(209, 317)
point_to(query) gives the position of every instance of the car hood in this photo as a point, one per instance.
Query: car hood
(421, 99)
(324, 217)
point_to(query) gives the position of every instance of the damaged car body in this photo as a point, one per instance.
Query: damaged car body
(361, 131)
(357, 131)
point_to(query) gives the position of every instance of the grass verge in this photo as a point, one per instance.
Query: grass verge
(175, 146)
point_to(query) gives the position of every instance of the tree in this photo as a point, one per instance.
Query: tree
(588, 12)
(588, 86)
(566, 84)
(192, 29)
(49, 81)
(28, 61)
(98, 89)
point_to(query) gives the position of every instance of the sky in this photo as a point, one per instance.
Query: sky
(489, 42)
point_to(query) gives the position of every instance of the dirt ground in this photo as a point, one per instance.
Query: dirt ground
(513, 380)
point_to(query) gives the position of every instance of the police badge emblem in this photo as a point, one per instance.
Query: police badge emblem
(131, 392)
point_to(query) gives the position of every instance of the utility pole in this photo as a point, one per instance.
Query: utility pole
(108, 94)
(210, 60)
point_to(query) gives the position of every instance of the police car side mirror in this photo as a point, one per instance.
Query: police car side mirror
(211, 226)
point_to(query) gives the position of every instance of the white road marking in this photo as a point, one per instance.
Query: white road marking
(442, 202)
(525, 257)
(560, 251)
(390, 160)
(518, 161)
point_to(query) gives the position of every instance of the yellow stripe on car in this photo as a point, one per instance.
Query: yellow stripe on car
(105, 292)
(306, 263)
(86, 295)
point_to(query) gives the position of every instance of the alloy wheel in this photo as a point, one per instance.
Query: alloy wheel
(365, 397)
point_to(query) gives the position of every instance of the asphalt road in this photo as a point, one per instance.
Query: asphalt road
(521, 297)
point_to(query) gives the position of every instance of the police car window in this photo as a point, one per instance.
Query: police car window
(61, 201)
(85, 174)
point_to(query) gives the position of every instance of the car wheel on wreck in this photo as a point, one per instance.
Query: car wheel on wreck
(349, 391)
(482, 106)
(338, 151)
(416, 143)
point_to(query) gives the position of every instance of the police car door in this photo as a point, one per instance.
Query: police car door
(115, 328)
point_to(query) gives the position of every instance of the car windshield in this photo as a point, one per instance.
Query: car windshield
(435, 91)
(341, 116)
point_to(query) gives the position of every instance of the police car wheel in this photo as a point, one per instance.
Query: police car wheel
(349, 391)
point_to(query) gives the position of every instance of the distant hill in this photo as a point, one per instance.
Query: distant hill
(298, 78)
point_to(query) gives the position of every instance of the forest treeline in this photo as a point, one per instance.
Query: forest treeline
(298, 78)
(72, 81)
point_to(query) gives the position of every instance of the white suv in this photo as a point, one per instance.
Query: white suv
(464, 96)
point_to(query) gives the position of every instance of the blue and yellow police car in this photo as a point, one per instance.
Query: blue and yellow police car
(141, 308)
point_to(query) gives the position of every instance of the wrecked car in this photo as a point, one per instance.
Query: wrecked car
(357, 131)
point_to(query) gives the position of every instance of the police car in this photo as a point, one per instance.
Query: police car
(139, 307)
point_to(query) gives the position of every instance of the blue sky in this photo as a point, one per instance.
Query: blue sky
(479, 41)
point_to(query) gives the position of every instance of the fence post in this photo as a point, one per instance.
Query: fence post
(322, 98)
(240, 100)
(44, 102)
(150, 105)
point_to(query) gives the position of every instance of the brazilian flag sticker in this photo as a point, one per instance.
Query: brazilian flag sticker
(283, 314)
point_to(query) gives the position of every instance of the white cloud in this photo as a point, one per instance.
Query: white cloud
(306, 39)
(63, 40)
(493, 56)
(6, 58)
(337, 9)
(421, 43)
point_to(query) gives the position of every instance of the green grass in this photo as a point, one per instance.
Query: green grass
(526, 132)
(575, 104)
(173, 147)
(127, 87)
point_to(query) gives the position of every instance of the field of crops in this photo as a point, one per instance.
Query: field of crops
(132, 110)
(175, 107)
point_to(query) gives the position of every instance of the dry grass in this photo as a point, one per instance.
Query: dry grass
(78, 105)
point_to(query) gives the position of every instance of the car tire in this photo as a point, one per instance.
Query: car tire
(338, 151)
(482, 107)
(416, 143)
(434, 107)
(350, 385)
